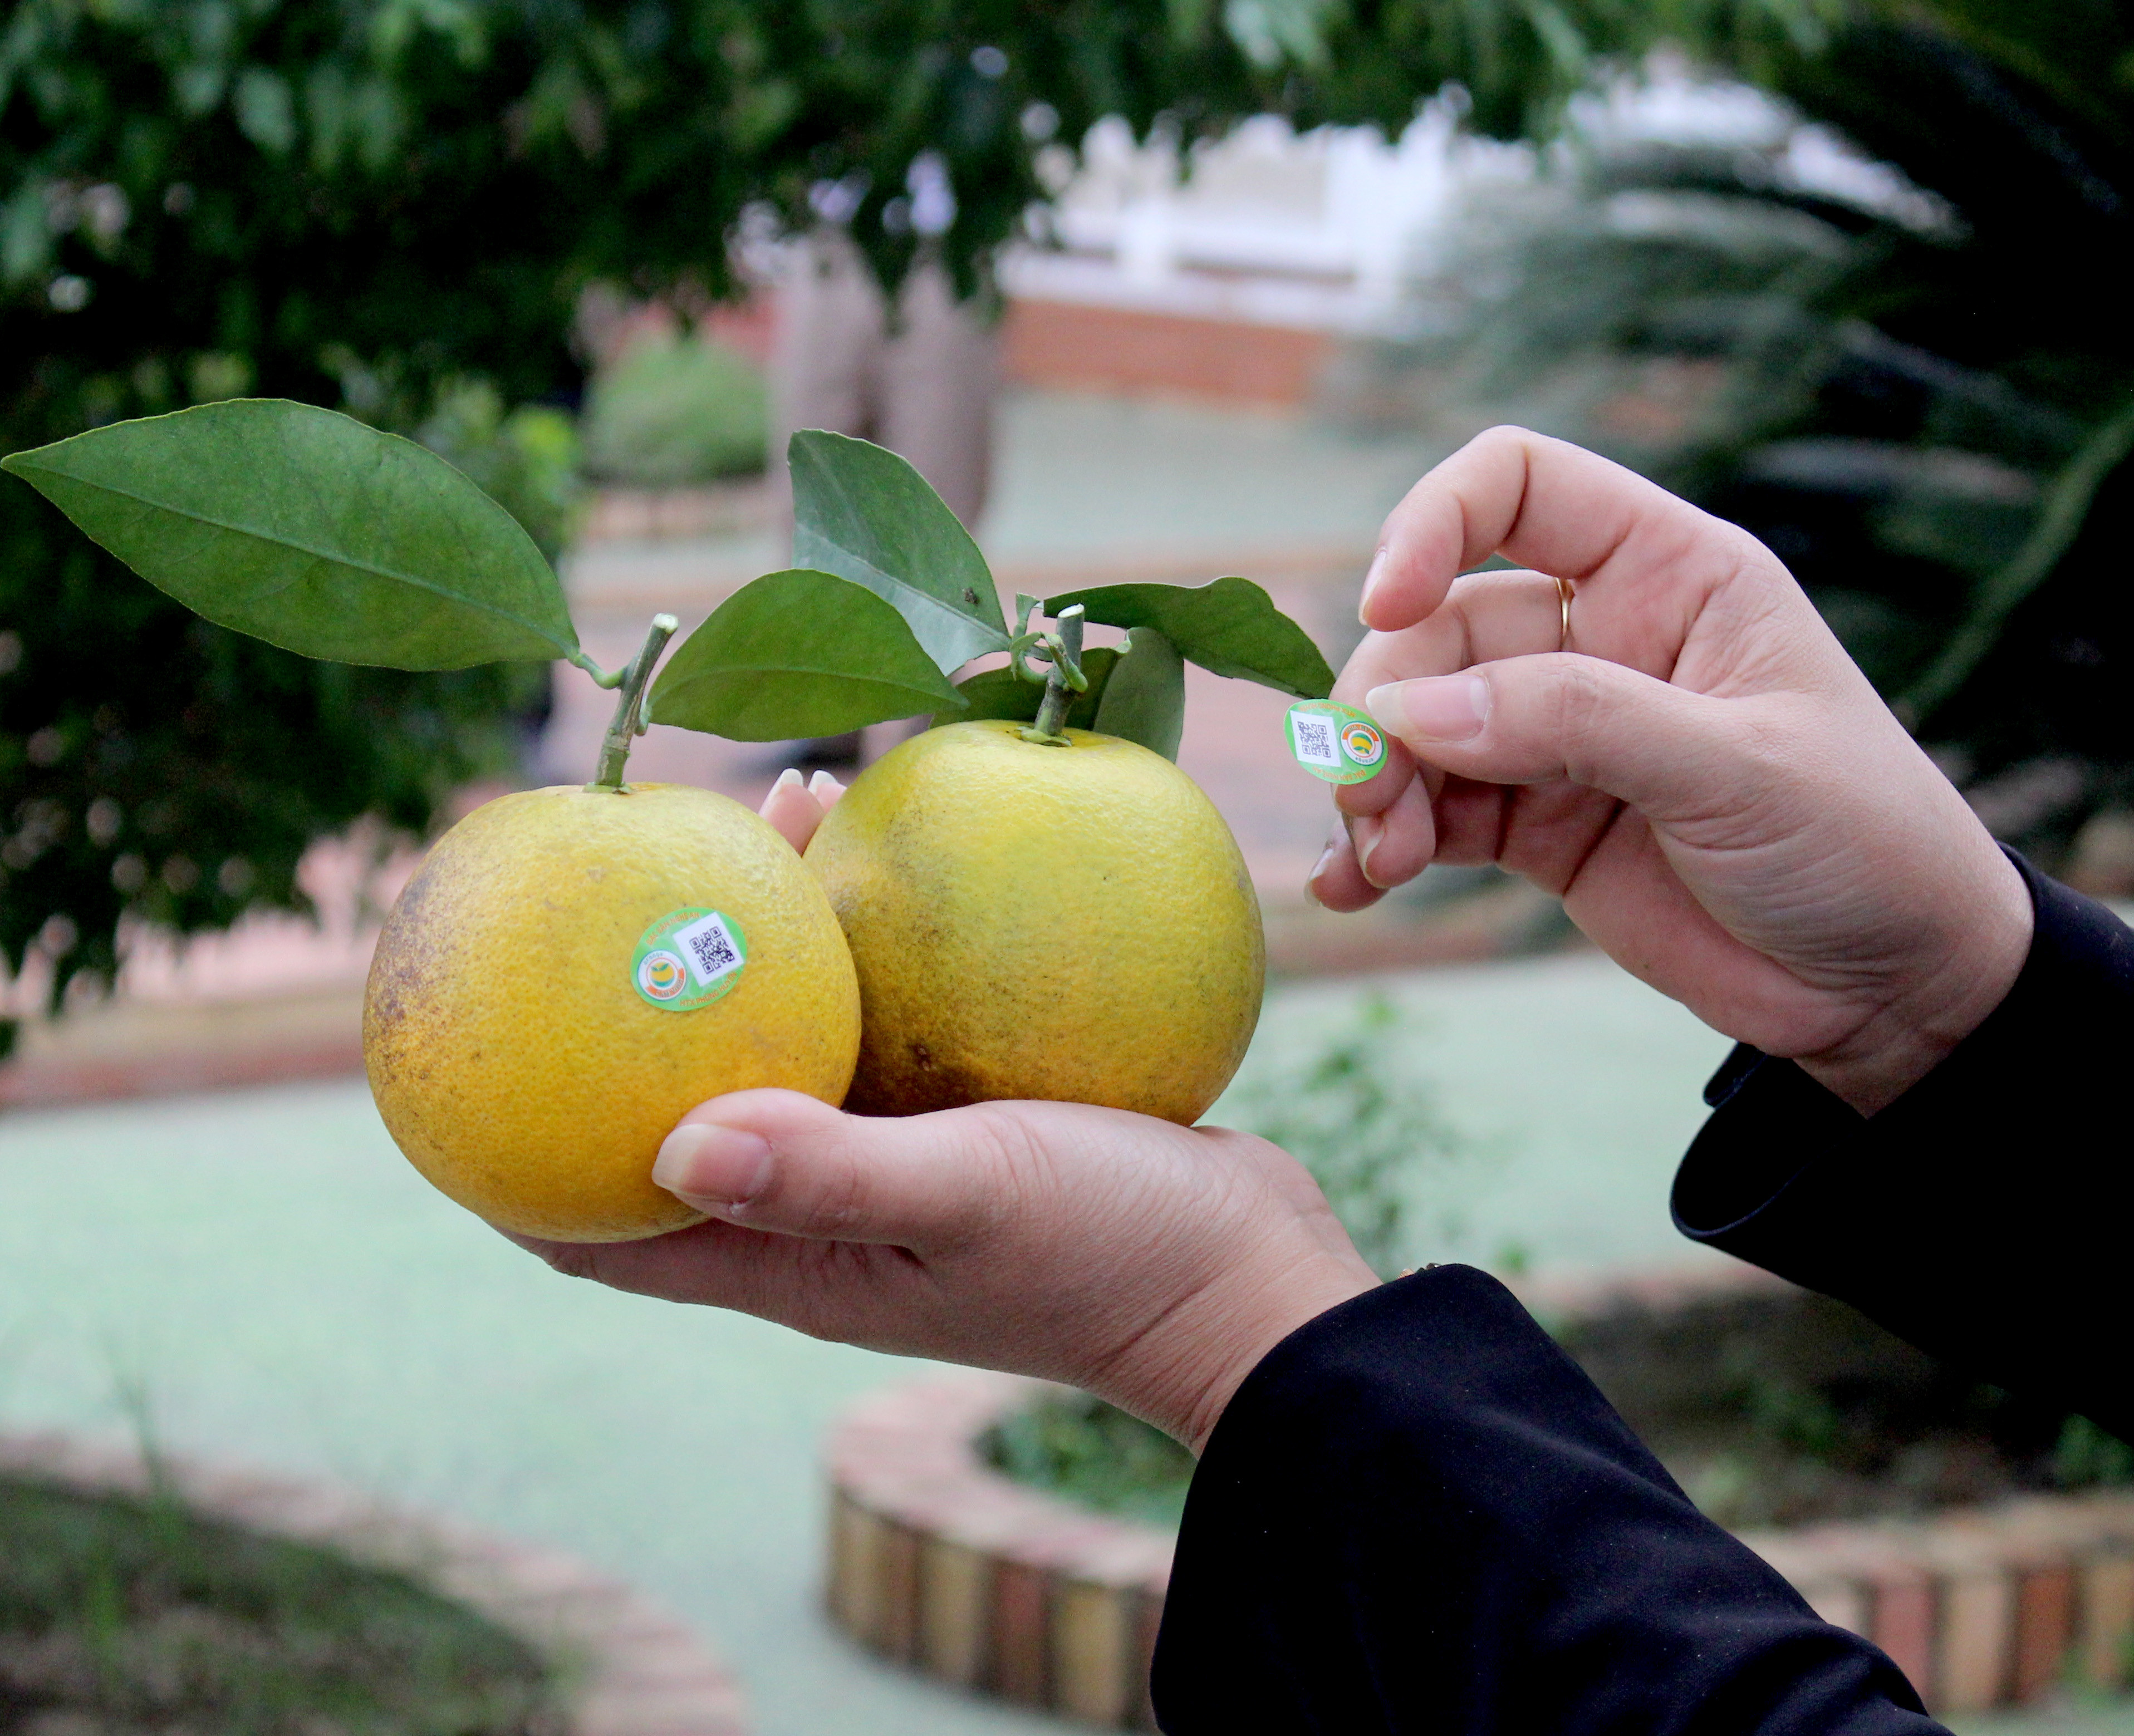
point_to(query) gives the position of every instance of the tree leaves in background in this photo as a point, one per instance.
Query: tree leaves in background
(307, 529)
(765, 668)
(1230, 627)
(865, 514)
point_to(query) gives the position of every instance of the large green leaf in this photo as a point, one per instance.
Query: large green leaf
(311, 531)
(799, 653)
(865, 514)
(1001, 693)
(1145, 699)
(1230, 627)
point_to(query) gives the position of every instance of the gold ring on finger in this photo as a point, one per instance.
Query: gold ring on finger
(1563, 601)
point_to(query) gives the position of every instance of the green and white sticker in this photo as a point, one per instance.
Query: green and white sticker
(688, 959)
(1335, 742)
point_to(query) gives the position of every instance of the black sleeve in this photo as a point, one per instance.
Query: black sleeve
(1418, 1515)
(1985, 1215)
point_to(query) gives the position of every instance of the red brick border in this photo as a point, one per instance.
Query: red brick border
(941, 1563)
(631, 1669)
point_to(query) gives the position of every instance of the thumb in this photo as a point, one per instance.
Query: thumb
(1530, 719)
(784, 1162)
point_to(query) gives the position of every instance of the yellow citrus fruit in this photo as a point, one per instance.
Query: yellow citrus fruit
(569, 972)
(1030, 921)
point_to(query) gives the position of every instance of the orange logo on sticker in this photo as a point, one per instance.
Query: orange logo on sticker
(661, 975)
(1363, 744)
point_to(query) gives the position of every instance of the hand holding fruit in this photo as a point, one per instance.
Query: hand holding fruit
(1153, 1264)
(1719, 796)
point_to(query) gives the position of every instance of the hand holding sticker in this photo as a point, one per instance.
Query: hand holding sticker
(1335, 741)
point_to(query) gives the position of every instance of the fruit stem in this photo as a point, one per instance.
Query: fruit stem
(607, 678)
(1062, 681)
(630, 721)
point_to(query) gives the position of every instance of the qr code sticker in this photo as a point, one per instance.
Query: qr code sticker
(1314, 741)
(708, 946)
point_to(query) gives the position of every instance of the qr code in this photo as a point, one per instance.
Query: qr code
(710, 948)
(1314, 741)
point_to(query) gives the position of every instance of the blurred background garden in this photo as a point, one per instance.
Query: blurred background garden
(1148, 289)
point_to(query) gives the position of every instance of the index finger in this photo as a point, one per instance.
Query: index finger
(1545, 504)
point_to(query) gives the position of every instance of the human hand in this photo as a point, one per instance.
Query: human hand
(1151, 1264)
(1717, 793)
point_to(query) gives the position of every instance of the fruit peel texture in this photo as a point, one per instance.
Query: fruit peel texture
(1071, 924)
(510, 1055)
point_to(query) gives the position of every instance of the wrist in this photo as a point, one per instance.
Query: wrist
(1906, 1040)
(1182, 1374)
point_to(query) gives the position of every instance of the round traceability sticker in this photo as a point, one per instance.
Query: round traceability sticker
(688, 958)
(1335, 742)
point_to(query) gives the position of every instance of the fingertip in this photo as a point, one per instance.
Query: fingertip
(1448, 708)
(1394, 847)
(1371, 577)
(1337, 883)
(713, 1167)
(791, 811)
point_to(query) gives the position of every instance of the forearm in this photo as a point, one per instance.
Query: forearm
(1418, 1515)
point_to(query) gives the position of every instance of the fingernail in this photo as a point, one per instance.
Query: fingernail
(825, 789)
(711, 1165)
(1434, 708)
(1366, 831)
(1370, 580)
(789, 779)
(1335, 838)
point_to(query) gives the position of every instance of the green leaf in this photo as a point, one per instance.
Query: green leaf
(999, 693)
(1145, 699)
(865, 514)
(311, 531)
(1230, 627)
(798, 654)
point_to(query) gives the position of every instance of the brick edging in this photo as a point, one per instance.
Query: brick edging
(939, 1562)
(630, 1668)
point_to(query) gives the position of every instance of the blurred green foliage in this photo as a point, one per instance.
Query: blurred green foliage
(121, 1614)
(1094, 1453)
(674, 410)
(1915, 381)
(1351, 1115)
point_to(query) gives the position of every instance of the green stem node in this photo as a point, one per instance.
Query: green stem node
(629, 720)
(1064, 680)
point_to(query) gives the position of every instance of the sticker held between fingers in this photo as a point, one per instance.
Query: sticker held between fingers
(1334, 742)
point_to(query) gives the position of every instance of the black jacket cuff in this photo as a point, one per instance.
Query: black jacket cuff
(1417, 1514)
(1972, 1215)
